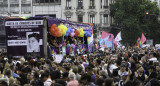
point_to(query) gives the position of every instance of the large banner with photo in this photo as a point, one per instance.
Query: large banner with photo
(24, 37)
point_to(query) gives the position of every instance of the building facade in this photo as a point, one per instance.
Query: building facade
(18, 8)
(50, 8)
(88, 11)
(15, 8)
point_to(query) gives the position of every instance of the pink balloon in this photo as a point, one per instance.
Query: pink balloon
(60, 45)
(72, 34)
(73, 46)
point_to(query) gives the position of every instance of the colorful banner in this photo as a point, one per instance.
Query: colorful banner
(107, 40)
(24, 37)
(90, 43)
(143, 39)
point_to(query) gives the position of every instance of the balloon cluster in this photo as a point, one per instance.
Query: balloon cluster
(81, 32)
(63, 30)
(54, 31)
(70, 31)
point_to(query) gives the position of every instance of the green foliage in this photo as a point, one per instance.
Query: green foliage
(129, 15)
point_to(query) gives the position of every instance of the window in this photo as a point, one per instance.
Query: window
(14, 1)
(105, 3)
(68, 17)
(42, 1)
(101, 17)
(26, 9)
(101, 4)
(92, 6)
(80, 4)
(91, 2)
(105, 18)
(92, 18)
(68, 4)
(80, 18)
(57, 0)
(46, 1)
(14, 9)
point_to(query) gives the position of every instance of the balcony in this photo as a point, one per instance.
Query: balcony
(91, 7)
(80, 7)
(67, 8)
(105, 7)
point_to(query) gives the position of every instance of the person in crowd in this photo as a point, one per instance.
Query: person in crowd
(14, 75)
(109, 82)
(86, 80)
(121, 67)
(3, 83)
(36, 81)
(141, 74)
(73, 81)
(45, 78)
(90, 71)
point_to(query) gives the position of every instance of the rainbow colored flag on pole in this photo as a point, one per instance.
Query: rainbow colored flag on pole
(140, 44)
(82, 50)
(141, 41)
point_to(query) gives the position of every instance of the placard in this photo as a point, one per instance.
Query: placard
(24, 37)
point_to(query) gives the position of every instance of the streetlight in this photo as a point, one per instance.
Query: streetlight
(147, 15)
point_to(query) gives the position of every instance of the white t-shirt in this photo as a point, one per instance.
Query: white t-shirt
(48, 82)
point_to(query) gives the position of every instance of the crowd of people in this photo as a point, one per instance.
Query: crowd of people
(119, 67)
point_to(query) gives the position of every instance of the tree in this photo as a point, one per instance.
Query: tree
(129, 15)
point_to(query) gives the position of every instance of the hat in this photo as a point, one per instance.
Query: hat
(124, 74)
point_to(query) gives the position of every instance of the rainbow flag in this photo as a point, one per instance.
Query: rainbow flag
(140, 44)
(82, 50)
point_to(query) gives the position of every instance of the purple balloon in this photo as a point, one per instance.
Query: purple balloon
(72, 34)
(68, 32)
(71, 30)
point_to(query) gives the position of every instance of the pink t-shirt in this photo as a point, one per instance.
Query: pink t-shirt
(73, 83)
